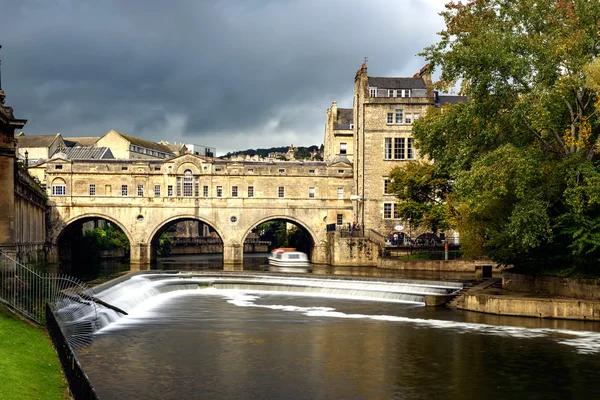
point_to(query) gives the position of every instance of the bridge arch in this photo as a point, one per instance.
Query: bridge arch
(286, 218)
(65, 234)
(154, 236)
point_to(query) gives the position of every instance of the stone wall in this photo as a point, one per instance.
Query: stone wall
(565, 287)
(431, 265)
(529, 307)
(350, 252)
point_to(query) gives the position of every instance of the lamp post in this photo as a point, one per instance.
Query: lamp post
(26, 159)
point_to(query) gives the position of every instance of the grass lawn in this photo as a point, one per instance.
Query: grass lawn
(29, 367)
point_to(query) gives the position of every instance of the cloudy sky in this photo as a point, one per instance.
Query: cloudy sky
(230, 74)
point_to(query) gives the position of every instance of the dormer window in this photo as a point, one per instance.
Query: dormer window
(391, 92)
(373, 91)
(58, 166)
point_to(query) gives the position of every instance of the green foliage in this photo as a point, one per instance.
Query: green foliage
(279, 235)
(302, 153)
(522, 153)
(99, 239)
(29, 366)
(165, 245)
(422, 190)
(265, 152)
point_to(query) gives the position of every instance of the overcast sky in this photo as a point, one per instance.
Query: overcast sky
(230, 74)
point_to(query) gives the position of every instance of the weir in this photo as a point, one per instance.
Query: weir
(125, 294)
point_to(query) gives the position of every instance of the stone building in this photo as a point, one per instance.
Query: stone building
(339, 133)
(127, 147)
(39, 147)
(376, 136)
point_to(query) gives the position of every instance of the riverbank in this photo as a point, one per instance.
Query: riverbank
(539, 297)
(28, 363)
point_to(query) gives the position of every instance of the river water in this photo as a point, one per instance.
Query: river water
(235, 344)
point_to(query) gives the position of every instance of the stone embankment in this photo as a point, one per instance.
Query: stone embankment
(541, 297)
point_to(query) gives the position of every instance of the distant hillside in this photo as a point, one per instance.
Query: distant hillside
(265, 152)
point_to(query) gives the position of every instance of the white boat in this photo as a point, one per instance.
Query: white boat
(288, 257)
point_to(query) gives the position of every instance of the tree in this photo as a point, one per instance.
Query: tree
(302, 153)
(422, 190)
(522, 152)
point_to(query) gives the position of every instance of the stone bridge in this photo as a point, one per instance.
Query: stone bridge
(145, 197)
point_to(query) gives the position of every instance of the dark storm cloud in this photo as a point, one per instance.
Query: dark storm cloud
(230, 74)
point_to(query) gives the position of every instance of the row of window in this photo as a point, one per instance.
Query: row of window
(398, 149)
(60, 189)
(373, 92)
(400, 117)
(149, 152)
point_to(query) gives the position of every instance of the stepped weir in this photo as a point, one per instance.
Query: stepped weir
(120, 297)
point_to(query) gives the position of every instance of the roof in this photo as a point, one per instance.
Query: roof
(396, 83)
(36, 141)
(146, 143)
(81, 141)
(85, 153)
(450, 99)
(345, 116)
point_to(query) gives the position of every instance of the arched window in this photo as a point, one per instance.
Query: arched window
(188, 182)
(59, 187)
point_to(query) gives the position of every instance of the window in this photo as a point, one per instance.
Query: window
(219, 191)
(311, 171)
(386, 186)
(341, 171)
(188, 181)
(92, 189)
(415, 117)
(250, 170)
(217, 169)
(390, 92)
(234, 191)
(205, 191)
(409, 149)
(281, 191)
(399, 116)
(170, 190)
(123, 190)
(390, 118)
(156, 190)
(250, 191)
(343, 148)
(281, 170)
(196, 187)
(311, 192)
(59, 187)
(406, 93)
(58, 166)
(157, 168)
(398, 148)
(123, 168)
(140, 190)
(131, 147)
(387, 211)
(408, 118)
(340, 219)
(373, 92)
(340, 193)
(394, 148)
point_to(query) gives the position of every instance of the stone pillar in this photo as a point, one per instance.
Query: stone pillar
(139, 254)
(233, 257)
(8, 124)
(319, 254)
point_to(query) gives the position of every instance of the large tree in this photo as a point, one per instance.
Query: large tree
(522, 152)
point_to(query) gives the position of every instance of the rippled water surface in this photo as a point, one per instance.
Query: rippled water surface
(211, 344)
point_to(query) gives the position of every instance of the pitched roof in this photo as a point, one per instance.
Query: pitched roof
(85, 153)
(81, 141)
(36, 141)
(450, 99)
(396, 83)
(146, 143)
(345, 115)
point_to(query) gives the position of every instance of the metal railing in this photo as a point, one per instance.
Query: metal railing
(27, 291)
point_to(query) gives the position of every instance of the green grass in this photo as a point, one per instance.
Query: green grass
(29, 367)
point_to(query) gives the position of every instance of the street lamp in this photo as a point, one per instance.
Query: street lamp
(26, 159)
